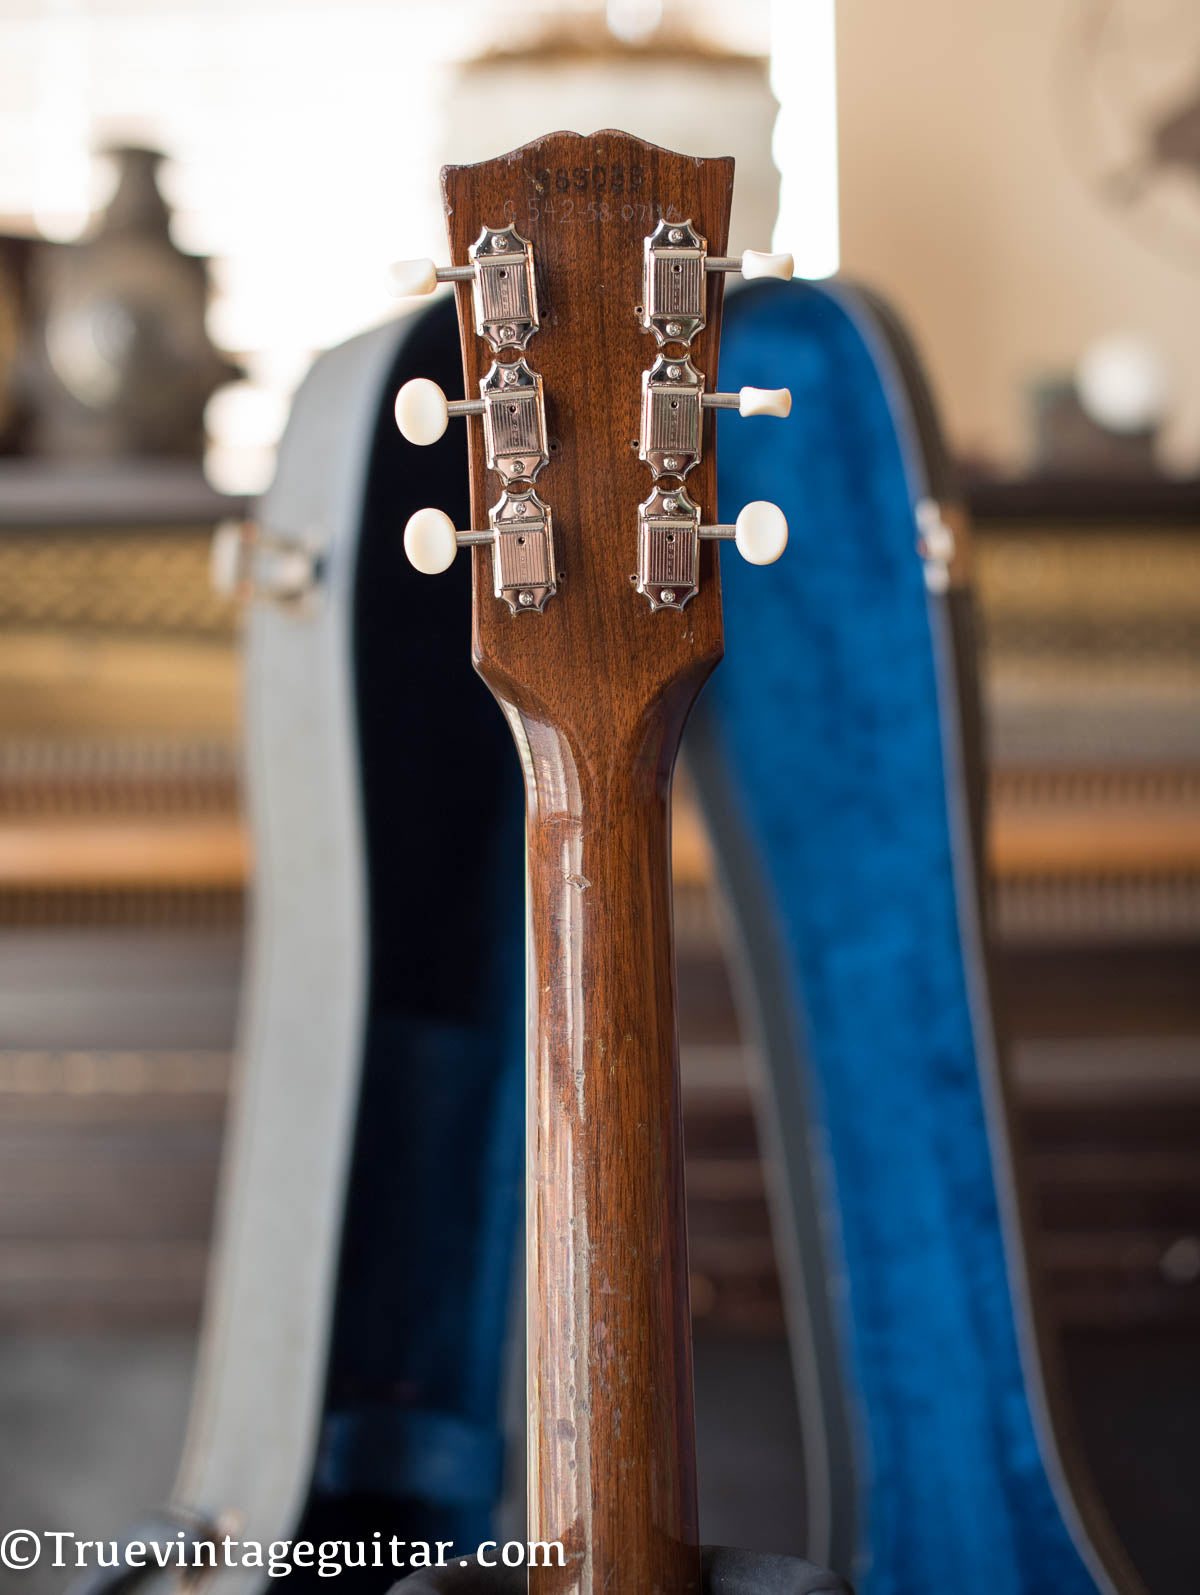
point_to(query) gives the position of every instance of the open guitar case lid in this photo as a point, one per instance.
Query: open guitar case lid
(362, 1317)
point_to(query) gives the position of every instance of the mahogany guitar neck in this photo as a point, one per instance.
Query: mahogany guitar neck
(597, 689)
(589, 279)
(612, 1444)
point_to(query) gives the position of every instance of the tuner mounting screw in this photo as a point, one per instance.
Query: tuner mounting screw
(667, 595)
(520, 509)
(499, 241)
(670, 505)
(510, 376)
(670, 463)
(507, 334)
(674, 329)
(676, 235)
(525, 598)
(673, 371)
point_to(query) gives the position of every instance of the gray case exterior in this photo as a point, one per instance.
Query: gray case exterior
(260, 1380)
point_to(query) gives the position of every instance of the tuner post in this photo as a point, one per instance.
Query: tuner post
(520, 536)
(513, 408)
(502, 286)
(669, 537)
(674, 283)
(754, 263)
(673, 398)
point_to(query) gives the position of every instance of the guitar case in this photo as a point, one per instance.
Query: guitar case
(361, 1324)
(360, 1303)
(833, 752)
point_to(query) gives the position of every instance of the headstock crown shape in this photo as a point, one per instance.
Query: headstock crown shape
(589, 273)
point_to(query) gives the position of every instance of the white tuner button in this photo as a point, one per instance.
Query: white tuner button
(430, 541)
(757, 264)
(761, 532)
(421, 411)
(756, 401)
(408, 278)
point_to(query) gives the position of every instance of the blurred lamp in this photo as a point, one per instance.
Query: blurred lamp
(633, 20)
(1123, 384)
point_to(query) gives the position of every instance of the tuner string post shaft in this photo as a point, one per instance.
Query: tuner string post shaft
(500, 273)
(751, 401)
(753, 263)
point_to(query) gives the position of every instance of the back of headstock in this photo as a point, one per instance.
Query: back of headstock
(609, 614)
(586, 204)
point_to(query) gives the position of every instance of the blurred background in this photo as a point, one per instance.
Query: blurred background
(197, 196)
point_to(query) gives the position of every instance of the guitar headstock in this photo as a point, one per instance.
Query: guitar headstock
(589, 271)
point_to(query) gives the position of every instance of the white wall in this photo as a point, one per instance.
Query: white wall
(960, 199)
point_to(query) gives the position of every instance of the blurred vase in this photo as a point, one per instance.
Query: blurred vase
(16, 255)
(122, 364)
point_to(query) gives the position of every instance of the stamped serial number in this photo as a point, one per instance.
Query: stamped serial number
(597, 179)
(596, 193)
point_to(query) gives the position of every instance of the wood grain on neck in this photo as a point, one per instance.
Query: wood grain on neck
(596, 691)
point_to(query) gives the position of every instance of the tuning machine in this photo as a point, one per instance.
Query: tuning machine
(521, 538)
(673, 399)
(675, 280)
(513, 410)
(502, 286)
(669, 535)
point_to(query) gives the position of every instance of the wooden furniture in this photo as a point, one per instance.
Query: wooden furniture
(117, 682)
(1090, 599)
(122, 873)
